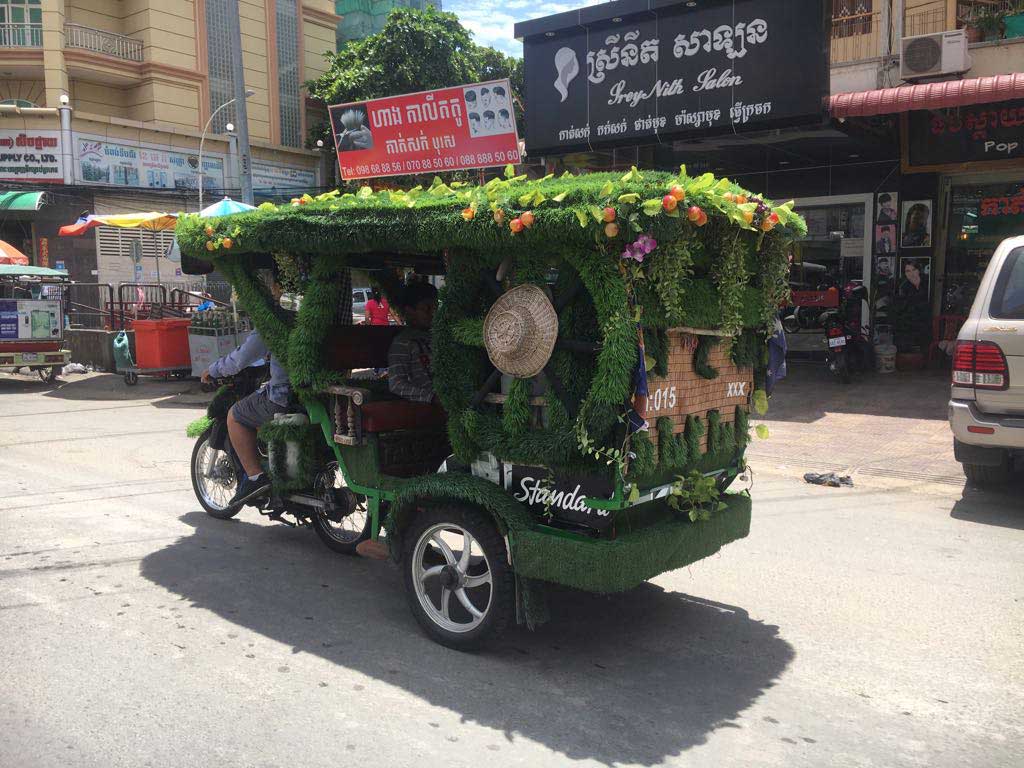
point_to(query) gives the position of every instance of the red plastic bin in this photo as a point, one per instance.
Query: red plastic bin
(162, 343)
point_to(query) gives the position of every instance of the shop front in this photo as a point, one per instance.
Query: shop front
(978, 152)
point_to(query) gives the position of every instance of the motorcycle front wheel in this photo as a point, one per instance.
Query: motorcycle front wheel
(214, 478)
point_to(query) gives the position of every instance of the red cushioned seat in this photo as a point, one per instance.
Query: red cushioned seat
(390, 415)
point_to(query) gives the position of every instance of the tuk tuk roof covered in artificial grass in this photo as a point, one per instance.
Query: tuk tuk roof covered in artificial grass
(429, 220)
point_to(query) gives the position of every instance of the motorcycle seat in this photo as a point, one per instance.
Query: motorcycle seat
(393, 415)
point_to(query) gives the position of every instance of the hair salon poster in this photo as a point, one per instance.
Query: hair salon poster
(448, 129)
(604, 77)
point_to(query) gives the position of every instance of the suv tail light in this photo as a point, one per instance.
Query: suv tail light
(980, 364)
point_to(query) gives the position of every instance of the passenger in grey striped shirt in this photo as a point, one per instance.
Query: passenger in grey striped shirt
(409, 374)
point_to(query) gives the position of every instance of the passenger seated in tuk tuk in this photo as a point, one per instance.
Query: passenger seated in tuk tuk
(409, 374)
(248, 414)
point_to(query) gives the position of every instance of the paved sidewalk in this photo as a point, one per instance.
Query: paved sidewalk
(883, 426)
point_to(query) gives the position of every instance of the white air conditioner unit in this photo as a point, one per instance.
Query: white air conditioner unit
(944, 53)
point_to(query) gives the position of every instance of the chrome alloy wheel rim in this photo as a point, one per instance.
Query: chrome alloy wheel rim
(452, 577)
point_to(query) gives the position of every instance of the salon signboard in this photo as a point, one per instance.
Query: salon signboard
(980, 132)
(643, 72)
(448, 129)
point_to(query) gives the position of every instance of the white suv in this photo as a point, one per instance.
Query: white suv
(986, 407)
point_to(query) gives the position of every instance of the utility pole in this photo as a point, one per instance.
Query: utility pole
(241, 112)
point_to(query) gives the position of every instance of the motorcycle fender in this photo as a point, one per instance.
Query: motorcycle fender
(219, 435)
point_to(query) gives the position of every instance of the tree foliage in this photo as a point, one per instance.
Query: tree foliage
(415, 51)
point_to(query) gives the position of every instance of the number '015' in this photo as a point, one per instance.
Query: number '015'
(663, 397)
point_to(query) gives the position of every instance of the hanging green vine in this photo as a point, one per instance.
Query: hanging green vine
(701, 355)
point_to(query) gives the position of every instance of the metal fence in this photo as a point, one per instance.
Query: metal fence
(101, 306)
(101, 41)
(21, 35)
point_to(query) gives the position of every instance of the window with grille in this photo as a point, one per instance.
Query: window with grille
(219, 51)
(21, 23)
(851, 17)
(288, 72)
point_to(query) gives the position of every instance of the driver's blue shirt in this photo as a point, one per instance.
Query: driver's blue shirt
(252, 351)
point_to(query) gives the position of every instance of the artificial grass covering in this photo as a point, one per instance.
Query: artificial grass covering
(615, 565)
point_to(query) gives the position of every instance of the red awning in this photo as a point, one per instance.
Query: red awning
(951, 93)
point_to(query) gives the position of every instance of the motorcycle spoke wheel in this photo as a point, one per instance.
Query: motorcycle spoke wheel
(214, 479)
(342, 535)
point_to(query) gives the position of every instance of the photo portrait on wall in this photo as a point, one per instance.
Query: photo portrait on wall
(885, 238)
(887, 210)
(883, 266)
(917, 224)
(912, 305)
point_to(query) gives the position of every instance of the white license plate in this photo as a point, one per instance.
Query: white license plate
(838, 341)
(29, 357)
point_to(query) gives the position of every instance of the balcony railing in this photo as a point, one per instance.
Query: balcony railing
(21, 35)
(100, 41)
(856, 37)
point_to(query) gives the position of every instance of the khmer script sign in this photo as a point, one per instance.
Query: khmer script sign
(599, 76)
(468, 126)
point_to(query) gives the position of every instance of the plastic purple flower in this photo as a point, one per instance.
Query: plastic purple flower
(647, 243)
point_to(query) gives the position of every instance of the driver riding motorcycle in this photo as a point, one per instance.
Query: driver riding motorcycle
(248, 414)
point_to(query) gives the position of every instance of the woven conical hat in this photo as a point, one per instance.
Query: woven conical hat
(520, 331)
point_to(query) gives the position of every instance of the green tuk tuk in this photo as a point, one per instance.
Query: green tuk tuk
(599, 344)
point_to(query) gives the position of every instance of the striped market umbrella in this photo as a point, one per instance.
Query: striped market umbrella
(11, 255)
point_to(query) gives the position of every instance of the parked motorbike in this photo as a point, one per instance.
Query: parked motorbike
(337, 514)
(849, 341)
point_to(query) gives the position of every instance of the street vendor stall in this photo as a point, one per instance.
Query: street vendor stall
(599, 344)
(32, 320)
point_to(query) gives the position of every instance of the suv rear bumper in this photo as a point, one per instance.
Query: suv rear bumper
(1007, 431)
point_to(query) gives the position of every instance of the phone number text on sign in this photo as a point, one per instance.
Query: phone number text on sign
(479, 160)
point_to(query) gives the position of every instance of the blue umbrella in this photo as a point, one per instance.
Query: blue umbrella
(225, 207)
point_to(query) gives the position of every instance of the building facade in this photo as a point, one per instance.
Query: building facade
(140, 82)
(908, 172)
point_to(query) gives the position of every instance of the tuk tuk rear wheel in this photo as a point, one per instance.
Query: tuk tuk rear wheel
(458, 581)
(342, 535)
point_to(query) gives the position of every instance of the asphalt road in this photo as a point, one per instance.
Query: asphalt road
(872, 626)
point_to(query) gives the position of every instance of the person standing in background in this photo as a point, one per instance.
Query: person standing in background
(378, 312)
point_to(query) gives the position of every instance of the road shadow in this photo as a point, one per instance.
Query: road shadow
(810, 392)
(633, 678)
(110, 387)
(1000, 507)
